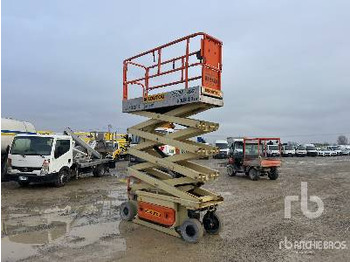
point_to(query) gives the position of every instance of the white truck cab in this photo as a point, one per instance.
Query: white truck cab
(39, 157)
(288, 150)
(300, 151)
(51, 158)
(273, 150)
(223, 147)
(311, 150)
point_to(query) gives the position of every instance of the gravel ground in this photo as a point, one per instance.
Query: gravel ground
(81, 222)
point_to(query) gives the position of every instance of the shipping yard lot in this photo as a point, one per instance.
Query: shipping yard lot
(81, 222)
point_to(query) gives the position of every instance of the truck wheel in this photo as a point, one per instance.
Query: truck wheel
(4, 168)
(230, 170)
(23, 183)
(212, 223)
(62, 178)
(273, 174)
(128, 211)
(99, 170)
(191, 230)
(254, 174)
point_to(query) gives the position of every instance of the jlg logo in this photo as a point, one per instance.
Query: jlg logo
(154, 98)
(152, 212)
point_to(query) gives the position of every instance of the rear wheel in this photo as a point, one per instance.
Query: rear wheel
(191, 230)
(254, 174)
(128, 211)
(99, 170)
(212, 223)
(62, 178)
(273, 174)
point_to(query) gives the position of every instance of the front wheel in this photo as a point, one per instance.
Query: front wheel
(254, 174)
(191, 230)
(212, 223)
(230, 170)
(273, 174)
(62, 178)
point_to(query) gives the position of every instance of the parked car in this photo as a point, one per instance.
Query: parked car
(310, 150)
(288, 150)
(324, 152)
(335, 150)
(300, 151)
(345, 151)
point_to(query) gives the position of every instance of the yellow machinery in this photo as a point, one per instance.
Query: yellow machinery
(120, 141)
(45, 132)
(87, 137)
(165, 192)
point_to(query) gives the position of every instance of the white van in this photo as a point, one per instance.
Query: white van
(223, 147)
(273, 150)
(288, 150)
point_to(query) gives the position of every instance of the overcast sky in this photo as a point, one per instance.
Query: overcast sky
(286, 64)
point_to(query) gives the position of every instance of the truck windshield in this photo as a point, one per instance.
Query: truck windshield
(221, 145)
(31, 145)
(273, 147)
(288, 148)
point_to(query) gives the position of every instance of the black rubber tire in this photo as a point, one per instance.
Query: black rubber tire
(99, 170)
(273, 174)
(128, 211)
(254, 174)
(212, 223)
(62, 178)
(23, 183)
(191, 230)
(230, 170)
(3, 169)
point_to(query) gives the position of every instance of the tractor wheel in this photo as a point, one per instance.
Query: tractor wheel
(128, 211)
(191, 230)
(230, 170)
(254, 174)
(212, 223)
(273, 174)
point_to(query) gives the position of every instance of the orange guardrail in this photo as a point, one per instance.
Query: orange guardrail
(209, 58)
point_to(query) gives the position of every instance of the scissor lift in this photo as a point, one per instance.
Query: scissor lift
(165, 192)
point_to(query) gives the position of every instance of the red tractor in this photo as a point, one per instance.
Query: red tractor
(251, 156)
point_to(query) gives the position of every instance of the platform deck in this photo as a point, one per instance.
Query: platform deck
(169, 100)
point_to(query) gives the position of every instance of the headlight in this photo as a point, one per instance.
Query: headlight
(45, 168)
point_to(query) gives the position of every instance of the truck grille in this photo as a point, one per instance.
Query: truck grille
(26, 169)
